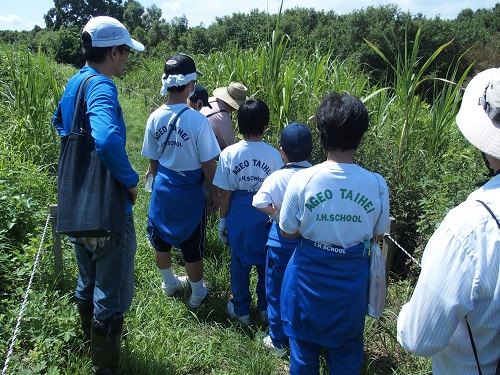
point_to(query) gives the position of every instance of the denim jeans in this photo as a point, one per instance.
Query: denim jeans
(106, 275)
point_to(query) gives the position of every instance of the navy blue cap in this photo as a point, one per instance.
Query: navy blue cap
(200, 93)
(296, 141)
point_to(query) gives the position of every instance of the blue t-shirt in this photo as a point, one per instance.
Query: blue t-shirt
(106, 121)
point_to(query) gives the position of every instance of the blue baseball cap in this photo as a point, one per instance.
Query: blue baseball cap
(200, 93)
(296, 141)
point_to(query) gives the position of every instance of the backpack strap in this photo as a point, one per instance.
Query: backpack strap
(473, 346)
(491, 212)
(468, 326)
(291, 165)
(214, 113)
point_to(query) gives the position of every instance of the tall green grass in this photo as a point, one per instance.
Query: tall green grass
(409, 74)
(420, 141)
(30, 91)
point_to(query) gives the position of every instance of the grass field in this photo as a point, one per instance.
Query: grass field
(165, 337)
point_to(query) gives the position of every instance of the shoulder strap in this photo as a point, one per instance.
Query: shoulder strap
(172, 126)
(214, 113)
(381, 207)
(473, 346)
(468, 326)
(491, 212)
(291, 165)
(79, 113)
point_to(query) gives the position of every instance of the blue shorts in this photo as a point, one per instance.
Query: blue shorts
(192, 248)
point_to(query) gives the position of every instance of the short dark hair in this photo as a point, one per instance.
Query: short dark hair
(95, 54)
(253, 117)
(341, 119)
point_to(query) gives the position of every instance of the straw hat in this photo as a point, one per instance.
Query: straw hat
(234, 94)
(479, 116)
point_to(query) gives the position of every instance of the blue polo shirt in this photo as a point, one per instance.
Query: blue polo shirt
(106, 121)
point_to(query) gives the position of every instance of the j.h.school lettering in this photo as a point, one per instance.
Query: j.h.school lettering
(339, 217)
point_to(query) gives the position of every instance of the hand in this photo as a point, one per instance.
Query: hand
(223, 231)
(91, 243)
(132, 194)
(214, 203)
(275, 215)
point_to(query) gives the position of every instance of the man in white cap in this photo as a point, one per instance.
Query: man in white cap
(454, 313)
(181, 148)
(225, 100)
(105, 266)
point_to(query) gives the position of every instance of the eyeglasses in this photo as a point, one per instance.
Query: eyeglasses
(128, 50)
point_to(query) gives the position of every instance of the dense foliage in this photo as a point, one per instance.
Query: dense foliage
(77, 12)
(309, 31)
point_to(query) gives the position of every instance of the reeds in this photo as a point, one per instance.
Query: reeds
(409, 73)
(29, 94)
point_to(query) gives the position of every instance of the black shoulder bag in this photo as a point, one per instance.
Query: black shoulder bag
(90, 202)
(497, 372)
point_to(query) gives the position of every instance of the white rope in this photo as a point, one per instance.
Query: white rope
(404, 251)
(23, 306)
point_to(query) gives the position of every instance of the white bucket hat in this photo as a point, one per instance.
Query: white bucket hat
(234, 94)
(108, 32)
(479, 116)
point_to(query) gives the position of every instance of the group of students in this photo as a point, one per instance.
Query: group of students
(297, 224)
(307, 229)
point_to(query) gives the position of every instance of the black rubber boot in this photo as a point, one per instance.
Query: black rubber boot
(106, 346)
(86, 310)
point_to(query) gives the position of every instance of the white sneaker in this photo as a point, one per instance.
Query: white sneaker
(170, 290)
(268, 344)
(195, 301)
(245, 319)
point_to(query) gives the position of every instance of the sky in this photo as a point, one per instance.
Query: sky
(25, 14)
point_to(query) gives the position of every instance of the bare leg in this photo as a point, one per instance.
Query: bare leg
(194, 270)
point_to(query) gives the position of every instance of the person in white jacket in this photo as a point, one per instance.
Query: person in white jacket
(454, 312)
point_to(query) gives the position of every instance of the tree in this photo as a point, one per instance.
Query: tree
(132, 15)
(152, 17)
(156, 28)
(179, 27)
(198, 41)
(78, 12)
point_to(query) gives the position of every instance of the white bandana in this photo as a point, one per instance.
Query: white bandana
(175, 80)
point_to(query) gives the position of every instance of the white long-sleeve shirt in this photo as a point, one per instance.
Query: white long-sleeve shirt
(459, 277)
